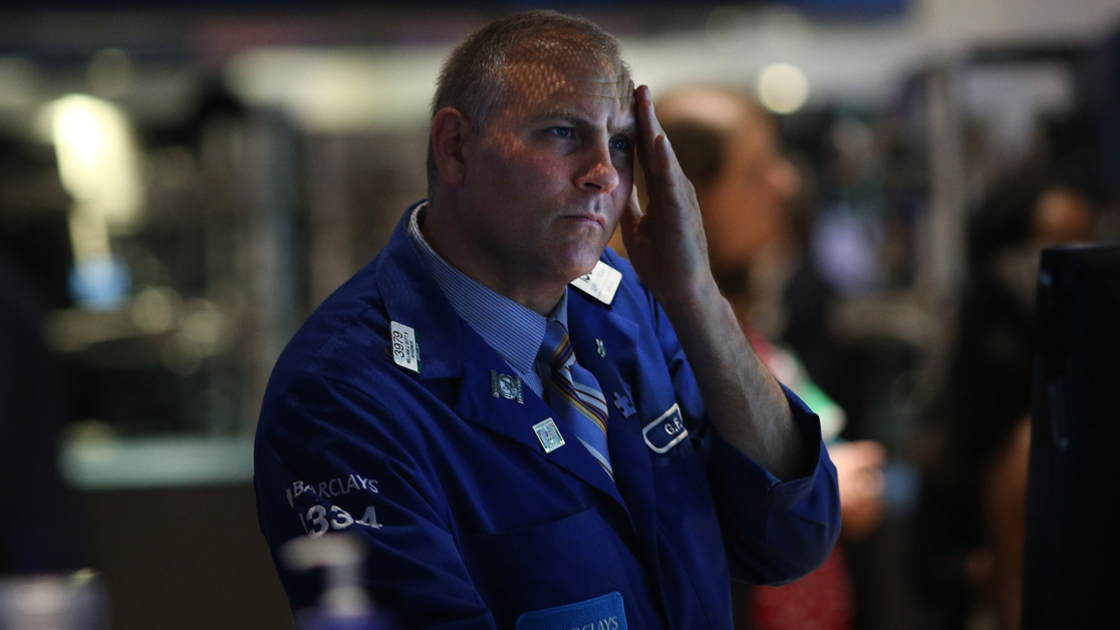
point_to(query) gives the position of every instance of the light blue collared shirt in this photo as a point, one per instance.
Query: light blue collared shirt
(514, 331)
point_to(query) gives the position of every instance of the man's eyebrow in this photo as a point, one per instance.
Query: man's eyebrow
(629, 128)
(567, 116)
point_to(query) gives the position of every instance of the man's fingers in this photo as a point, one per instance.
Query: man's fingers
(645, 127)
(656, 153)
(654, 122)
(650, 131)
(628, 224)
(647, 113)
(633, 206)
(668, 158)
(666, 184)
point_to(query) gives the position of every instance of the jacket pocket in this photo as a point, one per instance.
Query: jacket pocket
(576, 558)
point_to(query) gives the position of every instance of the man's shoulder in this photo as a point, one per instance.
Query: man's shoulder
(340, 339)
(346, 338)
(337, 379)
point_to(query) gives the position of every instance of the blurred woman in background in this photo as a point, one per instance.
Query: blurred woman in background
(729, 149)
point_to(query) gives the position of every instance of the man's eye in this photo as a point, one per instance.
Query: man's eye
(620, 144)
(562, 132)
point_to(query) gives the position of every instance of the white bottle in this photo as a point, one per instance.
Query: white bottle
(344, 604)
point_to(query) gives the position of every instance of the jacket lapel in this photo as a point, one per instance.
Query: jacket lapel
(507, 417)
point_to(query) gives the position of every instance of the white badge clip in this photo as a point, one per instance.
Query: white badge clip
(549, 435)
(601, 283)
(406, 352)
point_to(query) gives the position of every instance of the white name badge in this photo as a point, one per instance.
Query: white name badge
(406, 352)
(601, 283)
(666, 431)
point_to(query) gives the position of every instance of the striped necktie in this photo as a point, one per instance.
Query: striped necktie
(574, 394)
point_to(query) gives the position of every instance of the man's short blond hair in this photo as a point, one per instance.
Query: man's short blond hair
(473, 78)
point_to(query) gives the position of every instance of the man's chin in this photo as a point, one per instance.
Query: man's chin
(582, 264)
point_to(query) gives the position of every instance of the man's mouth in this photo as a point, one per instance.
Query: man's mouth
(589, 218)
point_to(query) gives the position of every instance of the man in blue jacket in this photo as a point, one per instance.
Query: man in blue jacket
(524, 434)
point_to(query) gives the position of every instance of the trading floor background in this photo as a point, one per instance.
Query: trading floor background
(181, 183)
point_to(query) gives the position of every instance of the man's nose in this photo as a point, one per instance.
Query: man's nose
(598, 174)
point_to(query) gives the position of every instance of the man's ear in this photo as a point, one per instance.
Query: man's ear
(450, 132)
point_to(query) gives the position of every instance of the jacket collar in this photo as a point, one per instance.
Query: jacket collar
(413, 298)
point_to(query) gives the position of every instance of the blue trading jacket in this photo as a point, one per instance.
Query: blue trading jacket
(469, 522)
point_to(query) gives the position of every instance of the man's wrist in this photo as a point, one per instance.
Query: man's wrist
(696, 299)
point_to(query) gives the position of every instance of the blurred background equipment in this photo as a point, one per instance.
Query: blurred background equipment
(344, 604)
(1070, 578)
(54, 602)
(181, 184)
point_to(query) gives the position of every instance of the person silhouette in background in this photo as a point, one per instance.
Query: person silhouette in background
(40, 532)
(729, 149)
(971, 515)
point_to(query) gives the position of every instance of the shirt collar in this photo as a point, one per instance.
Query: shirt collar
(514, 331)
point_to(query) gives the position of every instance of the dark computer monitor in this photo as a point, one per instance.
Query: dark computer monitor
(1071, 575)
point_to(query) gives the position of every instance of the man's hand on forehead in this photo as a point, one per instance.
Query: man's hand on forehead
(666, 243)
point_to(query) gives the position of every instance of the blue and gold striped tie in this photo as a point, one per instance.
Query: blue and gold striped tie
(574, 394)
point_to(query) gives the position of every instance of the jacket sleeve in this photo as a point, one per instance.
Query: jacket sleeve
(774, 532)
(326, 462)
